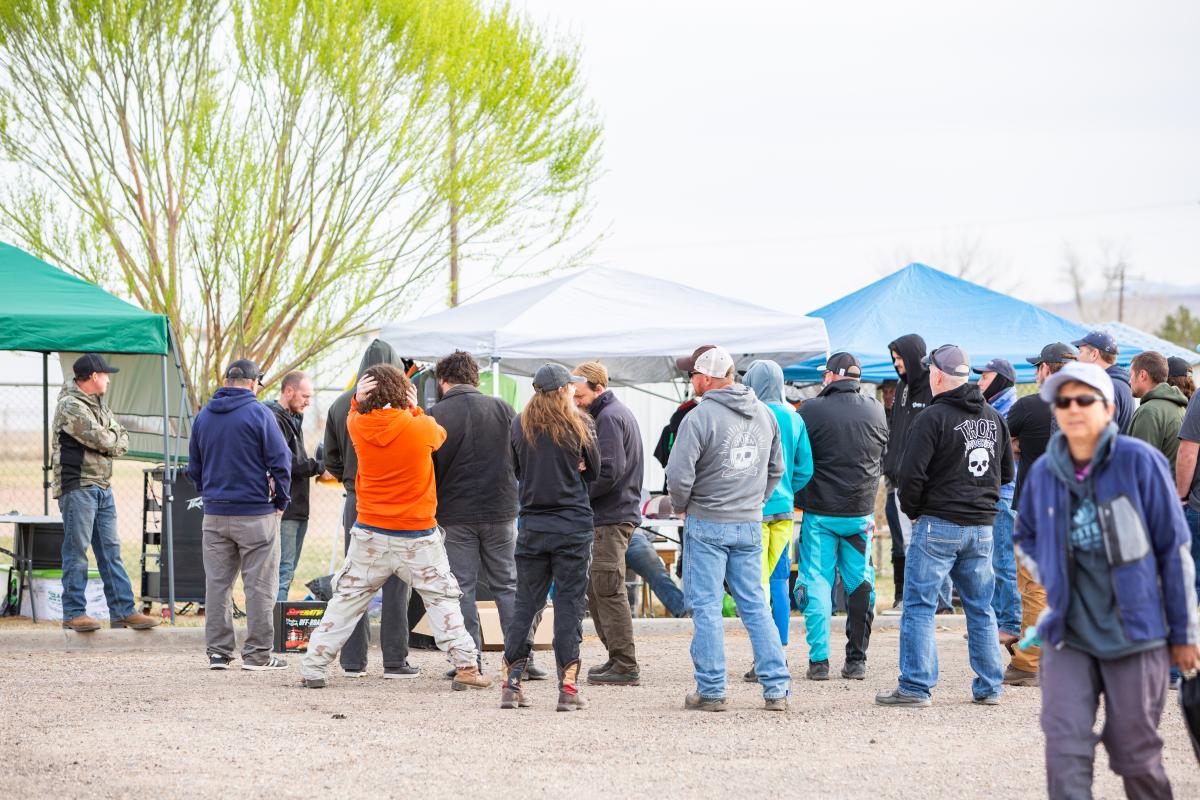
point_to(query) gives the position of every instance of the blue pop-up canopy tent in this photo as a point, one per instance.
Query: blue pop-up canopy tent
(942, 309)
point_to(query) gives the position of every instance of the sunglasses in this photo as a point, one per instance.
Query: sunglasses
(1084, 400)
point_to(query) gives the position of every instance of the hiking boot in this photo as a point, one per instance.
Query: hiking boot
(569, 698)
(751, 676)
(314, 683)
(775, 703)
(533, 672)
(81, 624)
(272, 663)
(512, 694)
(895, 698)
(405, 670)
(854, 670)
(818, 670)
(218, 661)
(1019, 677)
(990, 700)
(469, 678)
(694, 702)
(605, 667)
(616, 677)
(137, 621)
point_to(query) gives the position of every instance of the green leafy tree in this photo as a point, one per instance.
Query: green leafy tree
(1181, 328)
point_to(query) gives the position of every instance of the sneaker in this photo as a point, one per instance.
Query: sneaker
(218, 661)
(818, 671)
(137, 621)
(896, 610)
(533, 672)
(272, 663)
(1019, 677)
(694, 702)
(751, 676)
(81, 624)
(354, 673)
(895, 698)
(605, 667)
(469, 678)
(775, 703)
(314, 683)
(855, 671)
(406, 670)
(990, 700)
(616, 677)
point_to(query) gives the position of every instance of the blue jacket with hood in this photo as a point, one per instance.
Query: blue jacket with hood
(237, 457)
(1145, 536)
(1122, 397)
(766, 379)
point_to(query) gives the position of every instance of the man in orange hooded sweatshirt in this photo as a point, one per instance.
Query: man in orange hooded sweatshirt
(396, 532)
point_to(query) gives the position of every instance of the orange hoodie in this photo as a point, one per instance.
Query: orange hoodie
(394, 484)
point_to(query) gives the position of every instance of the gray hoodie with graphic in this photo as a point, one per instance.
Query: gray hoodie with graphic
(727, 458)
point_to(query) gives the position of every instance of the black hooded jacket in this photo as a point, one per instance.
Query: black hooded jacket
(847, 432)
(340, 458)
(913, 396)
(303, 468)
(957, 457)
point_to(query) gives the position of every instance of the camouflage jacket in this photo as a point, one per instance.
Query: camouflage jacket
(87, 437)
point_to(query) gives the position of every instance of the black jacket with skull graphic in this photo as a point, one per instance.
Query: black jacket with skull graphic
(956, 458)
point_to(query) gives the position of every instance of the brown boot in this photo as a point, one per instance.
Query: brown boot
(469, 678)
(512, 694)
(81, 624)
(569, 698)
(137, 621)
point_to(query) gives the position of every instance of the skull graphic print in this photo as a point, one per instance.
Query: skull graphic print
(979, 444)
(742, 451)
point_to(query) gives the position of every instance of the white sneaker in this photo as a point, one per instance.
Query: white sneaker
(895, 611)
(355, 673)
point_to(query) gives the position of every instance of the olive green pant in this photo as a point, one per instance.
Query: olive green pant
(608, 602)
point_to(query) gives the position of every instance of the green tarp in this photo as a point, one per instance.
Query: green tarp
(44, 309)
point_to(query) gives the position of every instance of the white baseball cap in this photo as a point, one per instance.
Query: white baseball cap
(1090, 374)
(714, 362)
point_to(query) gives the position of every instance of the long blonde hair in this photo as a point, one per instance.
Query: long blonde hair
(552, 414)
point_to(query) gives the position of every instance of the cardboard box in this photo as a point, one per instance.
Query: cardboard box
(47, 596)
(493, 634)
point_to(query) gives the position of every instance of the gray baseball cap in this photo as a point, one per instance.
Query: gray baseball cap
(552, 377)
(950, 359)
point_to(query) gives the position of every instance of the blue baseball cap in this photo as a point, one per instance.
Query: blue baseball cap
(1099, 340)
(1000, 366)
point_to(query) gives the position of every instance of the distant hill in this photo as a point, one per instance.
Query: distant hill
(1146, 305)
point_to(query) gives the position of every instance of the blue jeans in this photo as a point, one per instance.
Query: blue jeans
(940, 548)
(720, 553)
(90, 517)
(642, 558)
(291, 542)
(1006, 600)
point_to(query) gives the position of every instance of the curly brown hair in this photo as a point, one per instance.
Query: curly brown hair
(1184, 383)
(553, 414)
(391, 389)
(458, 368)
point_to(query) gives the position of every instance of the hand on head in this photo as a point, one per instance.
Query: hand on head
(366, 385)
(411, 394)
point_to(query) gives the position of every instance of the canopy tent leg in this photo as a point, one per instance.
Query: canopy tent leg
(46, 434)
(495, 376)
(168, 491)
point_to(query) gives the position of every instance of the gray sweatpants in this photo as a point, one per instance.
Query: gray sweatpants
(249, 545)
(1134, 689)
(484, 551)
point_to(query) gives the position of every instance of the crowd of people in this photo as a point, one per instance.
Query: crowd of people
(1069, 517)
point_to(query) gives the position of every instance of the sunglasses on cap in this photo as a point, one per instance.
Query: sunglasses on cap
(1083, 400)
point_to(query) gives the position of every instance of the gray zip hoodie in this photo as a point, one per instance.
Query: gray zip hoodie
(727, 458)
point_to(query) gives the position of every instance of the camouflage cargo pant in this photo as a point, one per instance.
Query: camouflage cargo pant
(372, 559)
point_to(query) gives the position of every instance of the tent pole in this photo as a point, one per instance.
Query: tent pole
(495, 376)
(46, 434)
(168, 492)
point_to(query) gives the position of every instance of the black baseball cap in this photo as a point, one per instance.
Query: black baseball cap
(1099, 340)
(950, 359)
(844, 364)
(1177, 367)
(552, 377)
(1055, 353)
(243, 370)
(1000, 366)
(89, 363)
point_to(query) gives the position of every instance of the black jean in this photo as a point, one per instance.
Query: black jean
(565, 560)
(393, 624)
(893, 520)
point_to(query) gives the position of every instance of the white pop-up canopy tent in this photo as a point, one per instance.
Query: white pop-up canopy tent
(636, 323)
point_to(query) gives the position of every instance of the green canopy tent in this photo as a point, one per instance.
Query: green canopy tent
(45, 310)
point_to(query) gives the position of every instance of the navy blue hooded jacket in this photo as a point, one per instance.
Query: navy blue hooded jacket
(1146, 539)
(1122, 397)
(237, 457)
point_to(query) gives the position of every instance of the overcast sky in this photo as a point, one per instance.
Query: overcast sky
(793, 152)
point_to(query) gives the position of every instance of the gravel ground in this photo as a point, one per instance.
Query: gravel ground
(145, 724)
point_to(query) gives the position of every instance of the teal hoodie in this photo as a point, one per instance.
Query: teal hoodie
(766, 379)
